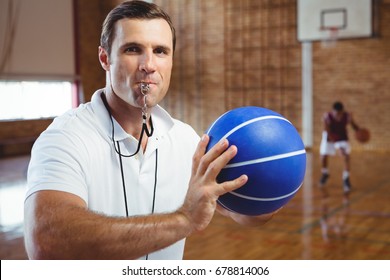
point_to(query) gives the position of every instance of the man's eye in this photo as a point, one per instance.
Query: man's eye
(131, 49)
(161, 51)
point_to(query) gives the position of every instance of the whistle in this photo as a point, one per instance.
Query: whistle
(144, 88)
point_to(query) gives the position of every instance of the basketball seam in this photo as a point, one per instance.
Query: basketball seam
(216, 121)
(252, 121)
(265, 199)
(244, 123)
(265, 159)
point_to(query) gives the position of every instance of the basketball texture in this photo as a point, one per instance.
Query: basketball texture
(270, 152)
(362, 135)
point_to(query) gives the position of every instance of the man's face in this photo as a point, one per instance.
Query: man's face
(142, 51)
(338, 113)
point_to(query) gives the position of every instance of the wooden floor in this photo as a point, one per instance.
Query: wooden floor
(309, 227)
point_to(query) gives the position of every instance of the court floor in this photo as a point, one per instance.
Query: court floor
(310, 226)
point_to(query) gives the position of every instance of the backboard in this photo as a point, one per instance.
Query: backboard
(322, 19)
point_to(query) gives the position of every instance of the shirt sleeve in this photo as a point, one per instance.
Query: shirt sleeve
(57, 164)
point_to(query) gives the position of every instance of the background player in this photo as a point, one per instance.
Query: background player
(335, 138)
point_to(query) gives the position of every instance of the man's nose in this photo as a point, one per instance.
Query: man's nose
(147, 62)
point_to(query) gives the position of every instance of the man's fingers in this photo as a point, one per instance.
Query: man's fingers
(217, 158)
(229, 186)
(199, 153)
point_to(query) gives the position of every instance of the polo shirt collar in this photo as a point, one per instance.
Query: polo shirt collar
(162, 121)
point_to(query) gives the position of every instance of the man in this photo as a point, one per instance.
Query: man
(118, 178)
(335, 138)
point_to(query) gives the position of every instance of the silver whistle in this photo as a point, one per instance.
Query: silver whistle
(144, 91)
(144, 88)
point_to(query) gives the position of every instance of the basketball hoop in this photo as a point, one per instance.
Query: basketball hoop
(331, 35)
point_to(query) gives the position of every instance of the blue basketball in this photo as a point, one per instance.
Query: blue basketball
(270, 152)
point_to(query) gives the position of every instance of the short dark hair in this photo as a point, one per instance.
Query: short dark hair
(132, 10)
(338, 106)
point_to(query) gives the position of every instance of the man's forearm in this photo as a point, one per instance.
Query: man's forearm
(72, 232)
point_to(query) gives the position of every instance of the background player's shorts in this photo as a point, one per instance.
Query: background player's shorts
(329, 148)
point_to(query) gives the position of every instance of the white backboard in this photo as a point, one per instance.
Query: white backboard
(351, 18)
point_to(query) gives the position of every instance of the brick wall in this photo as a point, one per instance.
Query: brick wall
(357, 73)
(236, 53)
(90, 16)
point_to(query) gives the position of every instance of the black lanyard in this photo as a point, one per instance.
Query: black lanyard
(145, 129)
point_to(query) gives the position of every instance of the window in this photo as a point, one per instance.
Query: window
(38, 70)
(33, 100)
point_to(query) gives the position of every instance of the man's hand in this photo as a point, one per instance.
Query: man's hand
(201, 200)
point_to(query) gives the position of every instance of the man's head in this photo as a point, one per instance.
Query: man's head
(338, 106)
(137, 46)
(132, 10)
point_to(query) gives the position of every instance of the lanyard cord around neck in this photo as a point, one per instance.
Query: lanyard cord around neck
(118, 151)
(144, 129)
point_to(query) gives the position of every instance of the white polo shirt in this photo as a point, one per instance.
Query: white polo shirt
(76, 155)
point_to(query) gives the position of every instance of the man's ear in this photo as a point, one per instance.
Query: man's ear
(104, 59)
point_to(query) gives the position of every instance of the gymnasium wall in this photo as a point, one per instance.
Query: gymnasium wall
(357, 72)
(16, 137)
(236, 53)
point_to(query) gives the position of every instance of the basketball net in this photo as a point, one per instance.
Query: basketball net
(331, 36)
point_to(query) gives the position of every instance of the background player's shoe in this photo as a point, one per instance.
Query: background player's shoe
(323, 179)
(322, 182)
(346, 185)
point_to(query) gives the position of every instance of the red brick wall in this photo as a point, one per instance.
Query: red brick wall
(357, 73)
(236, 53)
